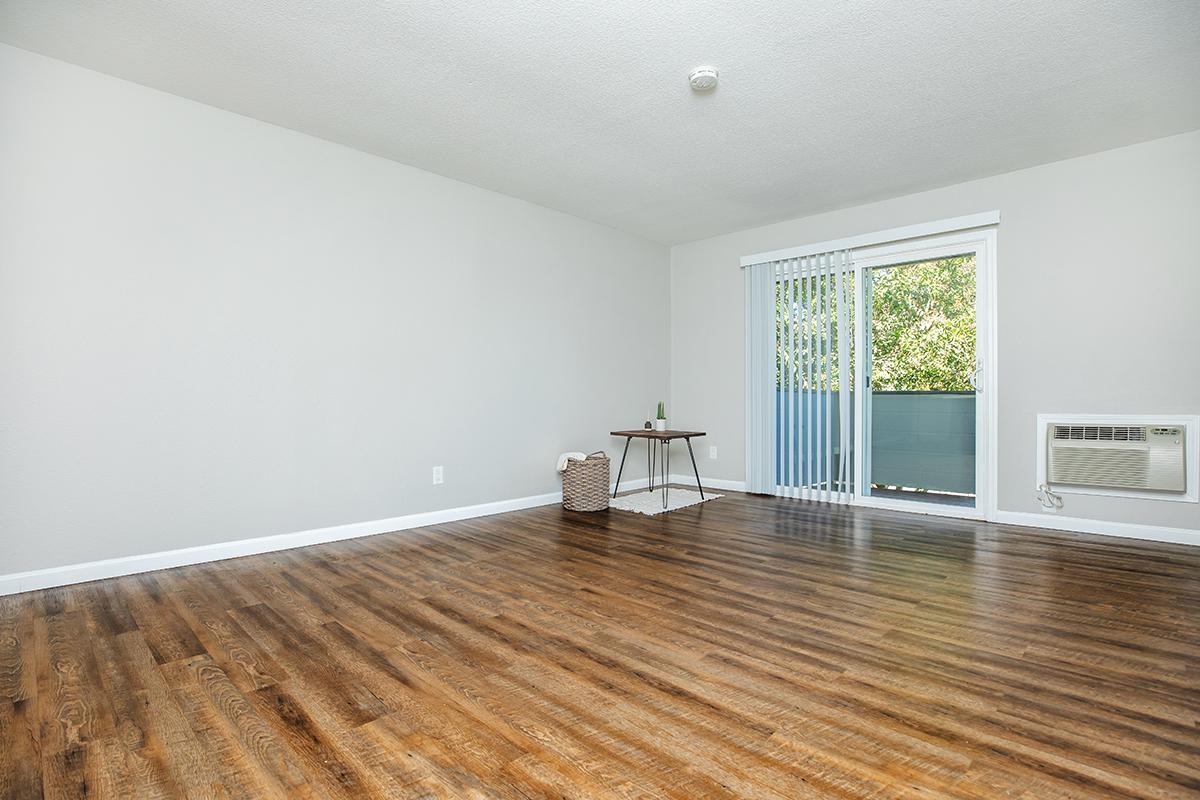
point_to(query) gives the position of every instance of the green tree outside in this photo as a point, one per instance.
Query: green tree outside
(922, 328)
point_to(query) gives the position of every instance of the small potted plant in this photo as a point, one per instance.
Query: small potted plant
(660, 422)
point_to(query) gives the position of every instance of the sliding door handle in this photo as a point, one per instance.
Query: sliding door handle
(975, 378)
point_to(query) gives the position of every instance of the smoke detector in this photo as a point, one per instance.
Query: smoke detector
(703, 79)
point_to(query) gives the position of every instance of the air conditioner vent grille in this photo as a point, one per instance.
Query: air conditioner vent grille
(1128, 469)
(1101, 433)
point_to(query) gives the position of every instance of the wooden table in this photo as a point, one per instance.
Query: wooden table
(655, 439)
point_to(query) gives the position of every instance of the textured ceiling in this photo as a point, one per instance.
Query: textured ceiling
(585, 106)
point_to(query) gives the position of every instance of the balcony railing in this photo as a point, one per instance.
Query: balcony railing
(919, 440)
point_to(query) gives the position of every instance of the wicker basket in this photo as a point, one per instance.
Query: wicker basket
(585, 483)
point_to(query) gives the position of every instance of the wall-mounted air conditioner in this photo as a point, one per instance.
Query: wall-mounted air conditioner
(1142, 456)
(1119, 456)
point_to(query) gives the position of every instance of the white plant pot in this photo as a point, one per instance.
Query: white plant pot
(660, 424)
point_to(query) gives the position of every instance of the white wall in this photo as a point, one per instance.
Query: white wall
(1099, 305)
(212, 328)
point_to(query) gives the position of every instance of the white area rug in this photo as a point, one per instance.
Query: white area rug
(651, 503)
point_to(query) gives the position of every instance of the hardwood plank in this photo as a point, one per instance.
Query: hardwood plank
(72, 703)
(20, 752)
(168, 636)
(311, 669)
(224, 641)
(250, 757)
(18, 670)
(315, 740)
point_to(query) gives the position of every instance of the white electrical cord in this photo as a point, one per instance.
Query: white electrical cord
(1049, 499)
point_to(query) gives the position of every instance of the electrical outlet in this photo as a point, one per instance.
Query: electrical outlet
(712, 453)
(437, 475)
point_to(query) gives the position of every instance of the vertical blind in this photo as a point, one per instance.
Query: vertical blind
(798, 388)
(760, 378)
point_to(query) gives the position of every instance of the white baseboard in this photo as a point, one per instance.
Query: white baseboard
(17, 582)
(147, 562)
(1128, 530)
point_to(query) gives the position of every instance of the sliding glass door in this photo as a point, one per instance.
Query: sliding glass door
(880, 360)
(919, 404)
(922, 418)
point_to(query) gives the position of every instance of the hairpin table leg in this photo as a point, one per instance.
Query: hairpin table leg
(621, 469)
(692, 453)
(666, 471)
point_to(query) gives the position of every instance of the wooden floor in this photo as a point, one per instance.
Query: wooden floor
(749, 647)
